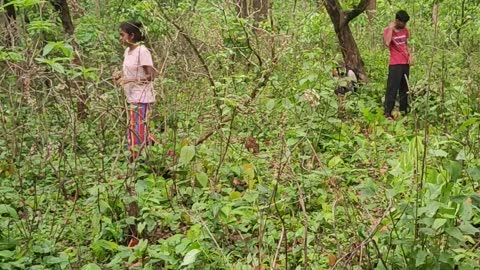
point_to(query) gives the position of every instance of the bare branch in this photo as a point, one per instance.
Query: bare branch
(194, 48)
(352, 14)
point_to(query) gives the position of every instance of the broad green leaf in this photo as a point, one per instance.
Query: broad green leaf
(91, 266)
(202, 179)
(142, 245)
(235, 195)
(6, 254)
(420, 258)
(48, 48)
(58, 68)
(462, 155)
(334, 161)
(474, 173)
(438, 153)
(467, 211)
(270, 104)
(50, 260)
(439, 222)
(7, 209)
(104, 244)
(190, 257)
(427, 231)
(141, 226)
(186, 154)
(454, 169)
(184, 244)
(248, 171)
(468, 123)
(455, 233)
(467, 228)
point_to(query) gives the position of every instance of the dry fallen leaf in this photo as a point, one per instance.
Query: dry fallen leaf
(252, 145)
(332, 259)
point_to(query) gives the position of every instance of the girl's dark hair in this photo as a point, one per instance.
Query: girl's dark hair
(402, 16)
(133, 28)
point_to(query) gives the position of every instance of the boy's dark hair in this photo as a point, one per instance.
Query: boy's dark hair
(133, 28)
(402, 16)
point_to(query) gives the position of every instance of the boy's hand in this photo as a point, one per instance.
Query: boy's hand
(411, 60)
(392, 25)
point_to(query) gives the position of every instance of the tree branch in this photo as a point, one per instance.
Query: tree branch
(352, 14)
(194, 48)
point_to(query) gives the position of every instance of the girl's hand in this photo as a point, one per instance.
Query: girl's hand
(117, 77)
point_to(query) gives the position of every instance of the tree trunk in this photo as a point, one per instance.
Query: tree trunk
(260, 9)
(61, 6)
(435, 10)
(10, 23)
(348, 46)
(350, 52)
(462, 22)
(242, 8)
(371, 9)
(257, 8)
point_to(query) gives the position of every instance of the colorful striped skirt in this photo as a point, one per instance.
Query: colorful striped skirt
(138, 135)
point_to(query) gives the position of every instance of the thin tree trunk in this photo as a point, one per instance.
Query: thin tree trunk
(348, 46)
(462, 22)
(260, 9)
(10, 23)
(371, 10)
(435, 10)
(61, 6)
(242, 8)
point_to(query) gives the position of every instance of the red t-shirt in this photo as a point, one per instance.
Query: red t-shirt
(398, 46)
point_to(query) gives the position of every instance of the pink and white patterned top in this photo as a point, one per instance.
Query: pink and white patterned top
(139, 90)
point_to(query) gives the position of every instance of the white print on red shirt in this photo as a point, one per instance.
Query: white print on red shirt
(399, 40)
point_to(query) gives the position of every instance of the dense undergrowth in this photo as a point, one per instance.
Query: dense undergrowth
(324, 189)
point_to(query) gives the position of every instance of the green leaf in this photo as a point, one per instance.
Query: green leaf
(91, 266)
(455, 170)
(334, 161)
(7, 209)
(190, 257)
(51, 260)
(48, 48)
(141, 226)
(421, 257)
(202, 179)
(438, 153)
(184, 244)
(432, 208)
(474, 173)
(270, 104)
(58, 68)
(439, 222)
(186, 154)
(462, 155)
(6, 253)
(248, 171)
(455, 233)
(467, 228)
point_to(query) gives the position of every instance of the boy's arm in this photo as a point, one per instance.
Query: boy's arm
(387, 34)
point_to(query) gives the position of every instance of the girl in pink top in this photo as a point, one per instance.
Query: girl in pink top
(137, 79)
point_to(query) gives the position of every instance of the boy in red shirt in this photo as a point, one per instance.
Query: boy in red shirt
(396, 36)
